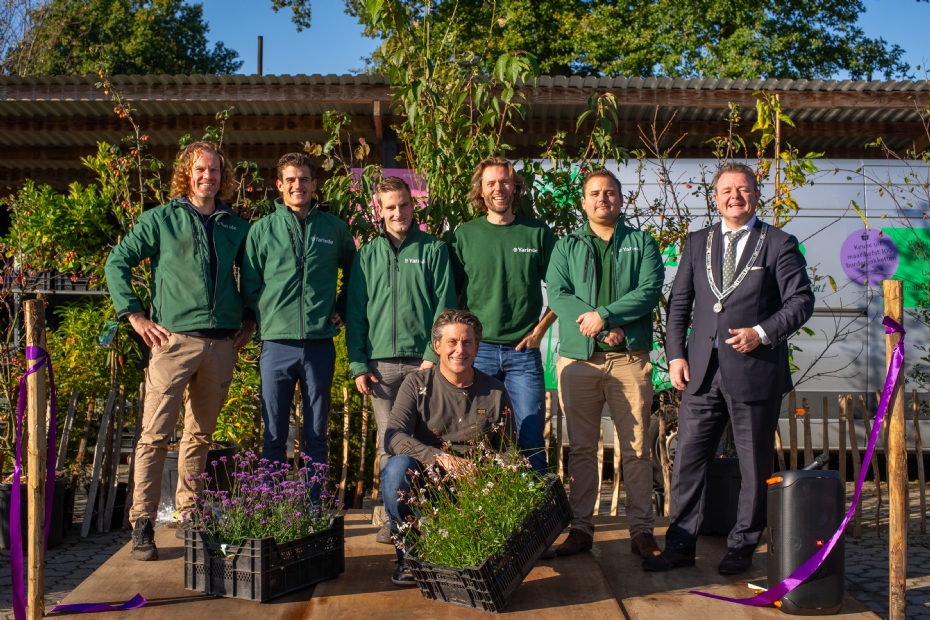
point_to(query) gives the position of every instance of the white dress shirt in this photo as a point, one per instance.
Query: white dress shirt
(740, 246)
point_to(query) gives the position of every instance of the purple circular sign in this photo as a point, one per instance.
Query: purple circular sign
(868, 257)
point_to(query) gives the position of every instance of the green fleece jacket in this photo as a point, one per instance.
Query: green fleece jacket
(395, 296)
(572, 286)
(184, 297)
(290, 273)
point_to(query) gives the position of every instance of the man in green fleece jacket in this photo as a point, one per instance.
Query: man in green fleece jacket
(499, 261)
(290, 277)
(400, 283)
(604, 282)
(195, 326)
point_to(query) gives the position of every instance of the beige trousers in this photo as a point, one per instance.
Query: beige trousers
(206, 367)
(624, 382)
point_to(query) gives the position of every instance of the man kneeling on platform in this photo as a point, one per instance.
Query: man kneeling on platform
(452, 405)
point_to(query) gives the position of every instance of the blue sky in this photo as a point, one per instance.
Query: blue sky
(334, 42)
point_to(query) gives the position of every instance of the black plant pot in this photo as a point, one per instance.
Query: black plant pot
(62, 512)
(220, 478)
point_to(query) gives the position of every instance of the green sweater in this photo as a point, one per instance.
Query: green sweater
(395, 296)
(290, 273)
(183, 295)
(572, 285)
(498, 272)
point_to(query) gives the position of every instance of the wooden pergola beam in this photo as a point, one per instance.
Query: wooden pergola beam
(236, 152)
(335, 94)
(371, 124)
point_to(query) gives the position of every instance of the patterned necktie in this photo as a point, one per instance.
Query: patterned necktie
(729, 257)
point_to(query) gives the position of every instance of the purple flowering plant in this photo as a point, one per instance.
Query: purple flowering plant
(462, 517)
(267, 499)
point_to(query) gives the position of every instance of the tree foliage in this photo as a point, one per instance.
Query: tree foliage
(664, 38)
(73, 37)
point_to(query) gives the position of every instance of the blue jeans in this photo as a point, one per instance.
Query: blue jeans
(284, 364)
(522, 374)
(394, 479)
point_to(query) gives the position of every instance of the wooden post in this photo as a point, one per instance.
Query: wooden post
(298, 424)
(841, 406)
(808, 442)
(779, 449)
(919, 448)
(376, 475)
(615, 496)
(857, 463)
(825, 431)
(66, 430)
(793, 427)
(600, 468)
(896, 456)
(876, 472)
(114, 461)
(345, 445)
(667, 465)
(36, 452)
(360, 480)
(98, 464)
(547, 432)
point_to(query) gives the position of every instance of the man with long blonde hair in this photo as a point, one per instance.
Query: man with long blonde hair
(194, 326)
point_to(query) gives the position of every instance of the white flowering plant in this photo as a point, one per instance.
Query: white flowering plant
(462, 517)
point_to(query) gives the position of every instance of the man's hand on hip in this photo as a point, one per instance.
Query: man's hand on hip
(244, 334)
(361, 382)
(680, 374)
(153, 334)
(744, 339)
(590, 324)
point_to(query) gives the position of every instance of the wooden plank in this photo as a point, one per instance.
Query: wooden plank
(919, 448)
(36, 453)
(345, 446)
(793, 427)
(618, 474)
(825, 433)
(376, 477)
(360, 479)
(876, 473)
(808, 444)
(66, 430)
(841, 415)
(779, 449)
(559, 461)
(114, 461)
(857, 464)
(136, 433)
(666, 462)
(600, 467)
(547, 432)
(896, 457)
(98, 464)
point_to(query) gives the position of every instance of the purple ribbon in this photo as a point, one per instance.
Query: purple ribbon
(89, 608)
(810, 566)
(16, 528)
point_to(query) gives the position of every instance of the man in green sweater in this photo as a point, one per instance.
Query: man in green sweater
(604, 283)
(195, 324)
(499, 262)
(400, 283)
(290, 277)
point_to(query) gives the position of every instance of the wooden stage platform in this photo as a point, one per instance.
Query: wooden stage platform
(607, 583)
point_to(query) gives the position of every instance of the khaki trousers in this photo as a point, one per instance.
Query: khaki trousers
(624, 382)
(206, 367)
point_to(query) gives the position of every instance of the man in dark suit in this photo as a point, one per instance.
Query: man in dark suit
(735, 364)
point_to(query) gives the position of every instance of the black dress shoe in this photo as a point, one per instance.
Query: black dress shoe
(667, 561)
(735, 562)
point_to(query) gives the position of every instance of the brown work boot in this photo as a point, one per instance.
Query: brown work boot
(644, 544)
(576, 542)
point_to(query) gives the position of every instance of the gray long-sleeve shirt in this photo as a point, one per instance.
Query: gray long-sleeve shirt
(429, 411)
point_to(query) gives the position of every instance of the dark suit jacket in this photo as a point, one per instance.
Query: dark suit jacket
(775, 294)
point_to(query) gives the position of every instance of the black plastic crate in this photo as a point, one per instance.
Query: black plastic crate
(261, 569)
(488, 587)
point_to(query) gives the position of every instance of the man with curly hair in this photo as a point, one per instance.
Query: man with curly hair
(196, 323)
(499, 261)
